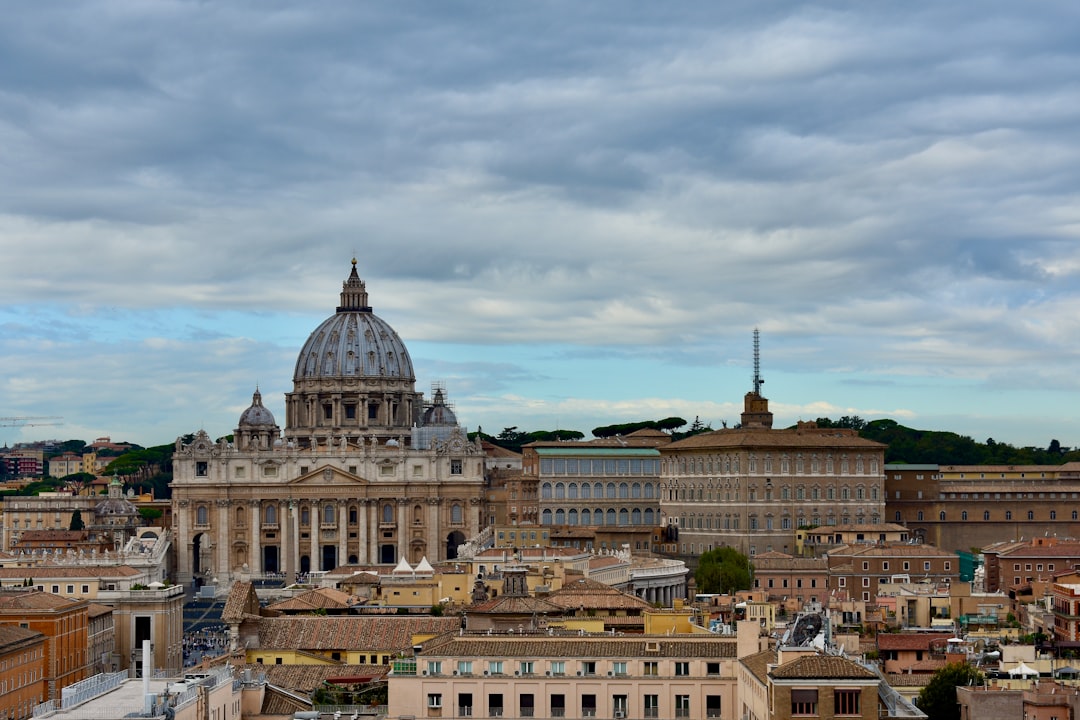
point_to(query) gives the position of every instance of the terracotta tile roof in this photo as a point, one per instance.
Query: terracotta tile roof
(791, 437)
(908, 641)
(927, 665)
(305, 679)
(576, 646)
(240, 602)
(318, 599)
(33, 600)
(513, 605)
(599, 562)
(14, 635)
(890, 550)
(94, 610)
(382, 633)
(822, 667)
(758, 664)
(278, 702)
(594, 595)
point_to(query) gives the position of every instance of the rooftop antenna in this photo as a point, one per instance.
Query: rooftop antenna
(758, 382)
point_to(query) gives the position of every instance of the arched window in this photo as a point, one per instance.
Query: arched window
(920, 516)
(624, 516)
(457, 514)
(610, 490)
(240, 516)
(572, 517)
(635, 517)
(545, 517)
(388, 513)
(897, 516)
(941, 516)
(610, 517)
(624, 490)
(649, 491)
(598, 490)
(202, 515)
(545, 491)
(560, 491)
(1031, 514)
(560, 517)
(1053, 514)
(305, 515)
(270, 514)
(352, 515)
(572, 491)
(598, 516)
(635, 490)
(417, 514)
(328, 515)
(586, 491)
(963, 515)
(586, 517)
(1075, 515)
(986, 514)
(648, 516)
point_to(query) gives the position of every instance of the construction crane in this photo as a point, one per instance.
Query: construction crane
(30, 421)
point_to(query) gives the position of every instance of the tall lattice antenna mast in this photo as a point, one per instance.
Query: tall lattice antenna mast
(758, 382)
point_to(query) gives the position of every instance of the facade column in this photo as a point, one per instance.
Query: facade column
(342, 533)
(222, 535)
(293, 551)
(254, 556)
(362, 530)
(375, 535)
(433, 532)
(473, 519)
(315, 518)
(183, 541)
(403, 528)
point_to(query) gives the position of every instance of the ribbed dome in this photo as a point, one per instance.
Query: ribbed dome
(257, 414)
(353, 343)
(439, 413)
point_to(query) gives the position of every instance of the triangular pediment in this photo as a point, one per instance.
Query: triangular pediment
(327, 475)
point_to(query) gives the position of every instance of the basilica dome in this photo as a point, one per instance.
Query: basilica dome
(257, 414)
(354, 342)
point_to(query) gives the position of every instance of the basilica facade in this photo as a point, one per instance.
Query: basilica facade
(366, 470)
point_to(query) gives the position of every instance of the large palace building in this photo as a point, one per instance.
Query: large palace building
(366, 471)
(753, 486)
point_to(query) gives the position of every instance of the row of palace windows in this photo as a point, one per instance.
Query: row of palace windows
(769, 494)
(732, 522)
(731, 464)
(987, 515)
(271, 513)
(600, 517)
(587, 491)
(599, 468)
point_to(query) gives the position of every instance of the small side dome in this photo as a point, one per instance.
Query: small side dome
(257, 415)
(439, 412)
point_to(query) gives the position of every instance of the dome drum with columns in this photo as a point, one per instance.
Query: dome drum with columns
(365, 472)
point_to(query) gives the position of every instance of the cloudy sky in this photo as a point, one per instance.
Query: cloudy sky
(573, 213)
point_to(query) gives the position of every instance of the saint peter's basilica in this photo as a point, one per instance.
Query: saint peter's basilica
(365, 472)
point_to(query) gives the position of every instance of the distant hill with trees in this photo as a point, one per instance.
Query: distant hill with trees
(911, 446)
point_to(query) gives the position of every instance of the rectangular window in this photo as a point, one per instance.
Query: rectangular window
(558, 667)
(846, 702)
(201, 468)
(588, 667)
(495, 667)
(619, 668)
(712, 706)
(651, 668)
(682, 668)
(455, 467)
(434, 667)
(526, 668)
(651, 706)
(495, 704)
(434, 700)
(464, 667)
(682, 706)
(804, 702)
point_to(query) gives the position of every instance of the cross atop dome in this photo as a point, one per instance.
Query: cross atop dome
(354, 293)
